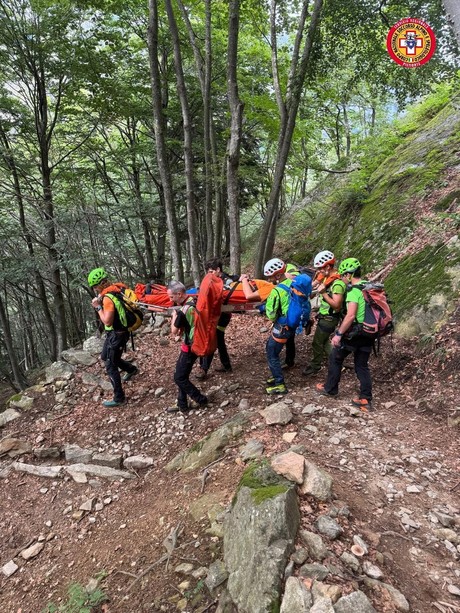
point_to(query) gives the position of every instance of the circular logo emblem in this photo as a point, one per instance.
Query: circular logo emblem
(411, 43)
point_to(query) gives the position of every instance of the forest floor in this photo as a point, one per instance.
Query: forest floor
(406, 443)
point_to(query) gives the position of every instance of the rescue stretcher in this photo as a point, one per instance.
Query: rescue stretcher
(158, 301)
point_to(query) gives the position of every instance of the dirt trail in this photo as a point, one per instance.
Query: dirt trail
(394, 469)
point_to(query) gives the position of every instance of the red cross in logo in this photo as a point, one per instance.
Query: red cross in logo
(411, 42)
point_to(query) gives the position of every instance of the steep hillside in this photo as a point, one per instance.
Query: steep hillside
(398, 212)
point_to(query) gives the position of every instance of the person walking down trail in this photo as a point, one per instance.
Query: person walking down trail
(347, 340)
(112, 314)
(183, 322)
(215, 267)
(276, 309)
(332, 290)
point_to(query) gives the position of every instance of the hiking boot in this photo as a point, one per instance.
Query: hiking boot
(129, 375)
(309, 370)
(109, 404)
(363, 404)
(177, 409)
(270, 380)
(201, 374)
(199, 405)
(321, 391)
(277, 389)
(286, 366)
(222, 368)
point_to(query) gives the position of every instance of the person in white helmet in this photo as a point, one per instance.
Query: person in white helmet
(276, 309)
(332, 290)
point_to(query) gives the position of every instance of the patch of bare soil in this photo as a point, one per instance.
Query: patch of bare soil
(373, 459)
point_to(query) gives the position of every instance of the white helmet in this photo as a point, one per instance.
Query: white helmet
(322, 258)
(273, 266)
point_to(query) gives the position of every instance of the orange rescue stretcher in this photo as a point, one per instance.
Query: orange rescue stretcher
(233, 299)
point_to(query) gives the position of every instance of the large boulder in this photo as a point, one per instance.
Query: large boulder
(210, 447)
(78, 357)
(259, 536)
(7, 416)
(93, 345)
(21, 401)
(59, 370)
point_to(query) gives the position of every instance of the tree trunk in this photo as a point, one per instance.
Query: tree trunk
(233, 158)
(18, 376)
(160, 139)
(204, 72)
(11, 164)
(346, 124)
(188, 152)
(452, 8)
(294, 91)
(219, 195)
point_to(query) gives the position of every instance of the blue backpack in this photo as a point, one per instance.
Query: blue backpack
(298, 313)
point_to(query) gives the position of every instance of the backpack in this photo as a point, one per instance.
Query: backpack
(378, 318)
(129, 300)
(298, 313)
(207, 312)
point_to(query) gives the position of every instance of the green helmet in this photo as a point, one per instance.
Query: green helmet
(96, 276)
(349, 265)
(292, 269)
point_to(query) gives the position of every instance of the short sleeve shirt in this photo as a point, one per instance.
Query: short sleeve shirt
(356, 295)
(264, 288)
(338, 287)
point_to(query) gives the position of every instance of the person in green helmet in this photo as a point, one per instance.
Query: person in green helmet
(344, 342)
(112, 314)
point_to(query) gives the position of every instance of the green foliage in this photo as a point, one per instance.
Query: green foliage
(79, 601)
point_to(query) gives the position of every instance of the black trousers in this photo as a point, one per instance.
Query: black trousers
(361, 353)
(184, 367)
(114, 346)
(224, 358)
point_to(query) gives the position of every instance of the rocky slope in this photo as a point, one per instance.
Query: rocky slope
(398, 213)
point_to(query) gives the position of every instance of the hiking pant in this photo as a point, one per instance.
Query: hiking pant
(184, 367)
(290, 351)
(273, 349)
(222, 324)
(114, 345)
(361, 353)
(321, 345)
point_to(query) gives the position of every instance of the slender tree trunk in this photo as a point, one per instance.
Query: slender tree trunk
(294, 91)
(219, 194)
(207, 121)
(160, 139)
(234, 145)
(346, 124)
(18, 376)
(11, 164)
(452, 8)
(146, 263)
(188, 143)
(204, 73)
